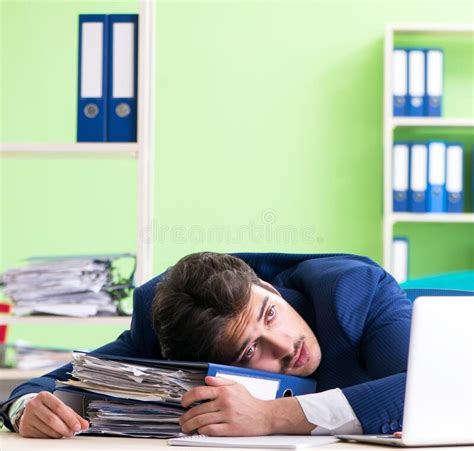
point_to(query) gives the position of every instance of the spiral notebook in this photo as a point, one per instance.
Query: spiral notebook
(267, 441)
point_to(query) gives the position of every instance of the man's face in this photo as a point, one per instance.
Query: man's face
(270, 335)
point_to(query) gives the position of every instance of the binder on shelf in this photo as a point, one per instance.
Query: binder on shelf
(418, 177)
(454, 178)
(122, 79)
(400, 176)
(400, 256)
(399, 82)
(436, 177)
(92, 74)
(416, 82)
(472, 178)
(434, 81)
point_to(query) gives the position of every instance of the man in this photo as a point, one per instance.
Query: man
(338, 318)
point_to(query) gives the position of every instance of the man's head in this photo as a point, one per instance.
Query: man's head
(213, 307)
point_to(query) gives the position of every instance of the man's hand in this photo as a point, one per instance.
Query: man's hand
(230, 410)
(45, 416)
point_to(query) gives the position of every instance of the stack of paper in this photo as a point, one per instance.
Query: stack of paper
(129, 381)
(29, 357)
(135, 419)
(74, 286)
(135, 400)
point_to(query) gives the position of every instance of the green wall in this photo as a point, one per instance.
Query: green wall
(268, 131)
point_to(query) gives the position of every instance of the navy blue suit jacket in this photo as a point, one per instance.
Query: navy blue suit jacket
(357, 311)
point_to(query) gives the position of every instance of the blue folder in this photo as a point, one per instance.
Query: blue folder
(436, 194)
(455, 177)
(122, 78)
(400, 175)
(418, 177)
(92, 75)
(416, 82)
(434, 81)
(400, 82)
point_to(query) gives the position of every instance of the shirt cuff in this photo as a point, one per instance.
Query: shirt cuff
(331, 412)
(16, 408)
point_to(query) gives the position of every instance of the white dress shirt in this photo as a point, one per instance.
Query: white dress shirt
(331, 412)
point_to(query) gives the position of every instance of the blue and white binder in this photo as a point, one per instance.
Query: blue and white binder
(418, 177)
(434, 82)
(416, 82)
(399, 259)
(400, 82)
(92, 86)
(436, 177)
(122, 92)
(454, 178)
(400, 176)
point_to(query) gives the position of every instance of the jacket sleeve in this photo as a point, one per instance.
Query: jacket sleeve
(127, 345)
(376, 317)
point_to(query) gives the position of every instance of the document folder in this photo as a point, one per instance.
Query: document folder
(418, 177)
(92, 74)
(436, 177)
(400, 82)
(454, 178)
(122, 92)
(399, 263)
(416, 82)
(400, 174)
(434, 82)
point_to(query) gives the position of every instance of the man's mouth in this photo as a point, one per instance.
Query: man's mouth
(301, 356)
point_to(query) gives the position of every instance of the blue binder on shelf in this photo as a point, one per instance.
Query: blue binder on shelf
(400, 82)
(92, 74)
(122, 78)
(436, 177)
(416, 82)
(400, 175)
(434, 81)
(454, 177)
(400, 258)
(418, 177)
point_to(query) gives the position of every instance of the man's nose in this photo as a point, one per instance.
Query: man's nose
(281, 344)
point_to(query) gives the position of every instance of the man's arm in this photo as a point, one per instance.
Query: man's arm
(377, 323)
(128, 344)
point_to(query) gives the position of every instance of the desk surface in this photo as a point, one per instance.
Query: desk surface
(13, 442)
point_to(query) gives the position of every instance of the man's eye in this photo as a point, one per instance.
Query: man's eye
(249, 354)
(271, 313)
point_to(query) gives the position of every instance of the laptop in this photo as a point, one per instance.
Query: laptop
(439, 396)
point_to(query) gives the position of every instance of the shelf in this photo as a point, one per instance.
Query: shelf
(431, 122)
(422, 28)
(432, 217)
(67, 320)
(15, 374)
(129, 150)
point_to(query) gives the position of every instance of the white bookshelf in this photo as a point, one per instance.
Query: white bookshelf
(52, 320)
(390, 218)
(128, 150)
(142, 151)
(446, 122)
(13, 374)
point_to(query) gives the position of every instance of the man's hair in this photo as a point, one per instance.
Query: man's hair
(194, 303)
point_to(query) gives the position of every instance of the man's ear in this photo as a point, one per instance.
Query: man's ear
(269, 287)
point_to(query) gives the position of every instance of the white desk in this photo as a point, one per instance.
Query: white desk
(13, 442)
